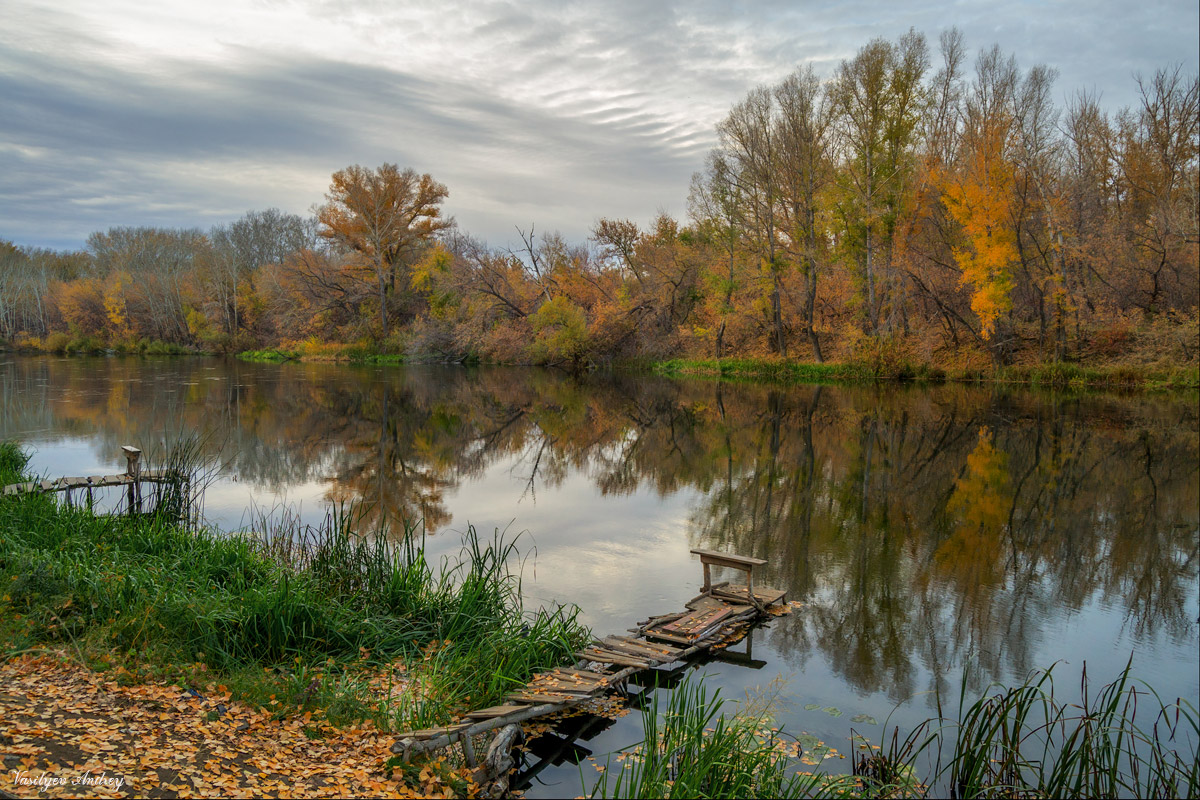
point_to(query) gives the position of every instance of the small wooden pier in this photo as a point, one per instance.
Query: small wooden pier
(720, 615)
(133, 478)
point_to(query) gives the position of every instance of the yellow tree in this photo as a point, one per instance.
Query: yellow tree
(980, 200)
(386, 215)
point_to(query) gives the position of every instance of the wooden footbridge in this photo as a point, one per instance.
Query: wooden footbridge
(133, 478)
(719, 615)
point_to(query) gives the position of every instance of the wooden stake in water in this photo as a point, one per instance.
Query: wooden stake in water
(133, 469)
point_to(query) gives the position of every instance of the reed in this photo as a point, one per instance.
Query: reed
(1024, 741)
(1021, 741)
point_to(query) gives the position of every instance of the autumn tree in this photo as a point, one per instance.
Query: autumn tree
(385, 215)
(979, 196)
(879, 98)
(715, 206)
(805, 168)
(1160, 147)
(749, 144)
(146, 273)
(257, 239)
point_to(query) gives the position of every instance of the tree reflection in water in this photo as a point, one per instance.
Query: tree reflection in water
(918, 524)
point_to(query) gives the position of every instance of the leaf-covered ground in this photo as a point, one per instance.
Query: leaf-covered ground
(66, 731)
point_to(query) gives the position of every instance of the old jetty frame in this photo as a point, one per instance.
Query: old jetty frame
(720, 615)
(133, 478)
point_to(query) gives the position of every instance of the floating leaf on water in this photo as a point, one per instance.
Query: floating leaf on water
(808, 741)
(865, 719)
(831, 711)
(811, 706)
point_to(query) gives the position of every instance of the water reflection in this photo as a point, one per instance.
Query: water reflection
(923, 527)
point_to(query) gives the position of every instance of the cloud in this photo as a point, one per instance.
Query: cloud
(189, 115)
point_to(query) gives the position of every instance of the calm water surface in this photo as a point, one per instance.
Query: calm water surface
(930, 532)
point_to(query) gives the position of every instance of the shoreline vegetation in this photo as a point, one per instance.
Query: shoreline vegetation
(1058, 376)
(909, 214)
(330, 636)
(1044, 376)
(294, 620)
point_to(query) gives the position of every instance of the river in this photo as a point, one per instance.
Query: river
(930, 532)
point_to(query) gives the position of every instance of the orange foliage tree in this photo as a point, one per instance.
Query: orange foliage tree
(980, 200)
(385, 215)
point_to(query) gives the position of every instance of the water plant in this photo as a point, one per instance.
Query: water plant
(1020, 741)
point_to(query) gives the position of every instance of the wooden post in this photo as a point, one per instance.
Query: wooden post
(133, 469)
(468, 752)
(707, 579)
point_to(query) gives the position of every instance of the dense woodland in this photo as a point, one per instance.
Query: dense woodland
(910, 206)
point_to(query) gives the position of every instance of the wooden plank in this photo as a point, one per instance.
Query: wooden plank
(494, 711)
(697, 621)
(544, 697)
(670, 637)
(583, 673)
(658, 647)
(608, 643)
(728, 559)
(765, 595)
(576, 683)
(609, 657)
(558, 687)
(429, 733)
(703, 601)
(661, 619)
(643, 650)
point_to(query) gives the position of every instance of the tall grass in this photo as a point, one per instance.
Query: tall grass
(691, 749)
(293, 599)
(1024, 740)
(1016, 742)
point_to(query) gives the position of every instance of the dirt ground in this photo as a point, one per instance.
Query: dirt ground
(66, 731)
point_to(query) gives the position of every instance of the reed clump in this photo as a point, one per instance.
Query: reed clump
(1022, 741)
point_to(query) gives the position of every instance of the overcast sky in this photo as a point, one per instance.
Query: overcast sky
(189, 114)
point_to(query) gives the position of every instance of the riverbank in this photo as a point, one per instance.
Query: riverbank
(1052, 376)
(323, 352)
(1123, 377)
(320, 625)
(65, 344)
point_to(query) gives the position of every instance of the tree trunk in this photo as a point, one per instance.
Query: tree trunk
(383, 305)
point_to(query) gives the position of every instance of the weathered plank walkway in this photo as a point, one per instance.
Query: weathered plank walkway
(132, 478)
(715, 616)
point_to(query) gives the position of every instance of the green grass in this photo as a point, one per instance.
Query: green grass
(351, 353)
(1021, 741)
(1058, 376)
(1024, 740)
(751, 369)
(692, 749)
(312, 622)
(271, 355)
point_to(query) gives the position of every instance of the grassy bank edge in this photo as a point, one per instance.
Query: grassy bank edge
(67, 345)
(1052, 376)
(321, 624)
(352, 354)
